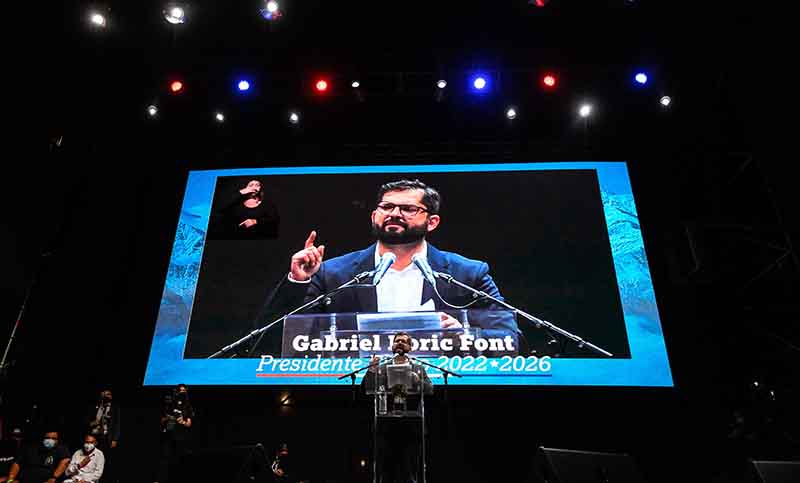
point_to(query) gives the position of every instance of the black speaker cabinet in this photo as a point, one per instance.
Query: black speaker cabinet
(570, 466)
(235, 464)
(775, 471)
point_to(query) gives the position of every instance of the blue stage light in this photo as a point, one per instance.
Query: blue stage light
(641, 78)
(244, 85)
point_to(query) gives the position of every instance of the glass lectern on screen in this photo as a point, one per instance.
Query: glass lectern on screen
(508, 245)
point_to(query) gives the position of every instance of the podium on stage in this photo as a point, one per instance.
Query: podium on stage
(398, 429)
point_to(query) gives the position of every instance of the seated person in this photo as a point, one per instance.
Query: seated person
(43, 462)
(87, 463)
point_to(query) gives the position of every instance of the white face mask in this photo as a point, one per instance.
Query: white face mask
(49, 443)
(88, 447)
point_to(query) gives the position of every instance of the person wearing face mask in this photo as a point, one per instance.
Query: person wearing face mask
(399, 439)
(177, 415)
(87, 464)
(44, 462)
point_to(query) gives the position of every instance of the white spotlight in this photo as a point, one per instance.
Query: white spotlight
(174, 14)
(272, 6)
(441, 84)
(665, 101)
(219, 117)
(294, 117)
(511, 113)
(97, 19)
(585, 110)
(152, 110)
(356, 84)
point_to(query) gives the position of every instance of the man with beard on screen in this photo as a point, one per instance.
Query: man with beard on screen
(406, 211)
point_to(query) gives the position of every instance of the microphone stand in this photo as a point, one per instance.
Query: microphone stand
(352, 375)
(538, 323)
(323, 298)
(445, 372)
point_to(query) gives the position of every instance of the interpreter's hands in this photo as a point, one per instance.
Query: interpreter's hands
(306, 262)
(449, 322)
(279, 472)
(248, 223)
(248, 190)
(85, 461)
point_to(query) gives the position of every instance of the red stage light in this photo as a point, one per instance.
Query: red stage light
(549, 80)
(176, 86)
(321, 85)
(540, 3)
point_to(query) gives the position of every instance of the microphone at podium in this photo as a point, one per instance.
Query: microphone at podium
(387, 260)
(424, 267)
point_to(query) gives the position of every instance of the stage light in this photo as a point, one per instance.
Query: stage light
(97, 19)
(152, 110)
(585, 110)
(641, 78)
(321, 85)
(356, 84)
(549, 81)
(176, 86)
(174, 14)
(294, 117)
(511, 113)
(441, 83)
(539, 3)
(479, 83)
(243, 85)
(271, 10)
(220, 117)
(665, 101)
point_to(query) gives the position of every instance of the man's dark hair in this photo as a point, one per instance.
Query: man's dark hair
(430, 198)
(402, 334)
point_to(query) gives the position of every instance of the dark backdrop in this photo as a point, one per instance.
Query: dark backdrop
(91, 203)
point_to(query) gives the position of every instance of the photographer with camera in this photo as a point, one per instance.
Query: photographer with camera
(104, 425)
(176, 421)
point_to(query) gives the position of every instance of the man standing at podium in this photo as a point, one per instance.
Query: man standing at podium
(399, 439)
(406, 211)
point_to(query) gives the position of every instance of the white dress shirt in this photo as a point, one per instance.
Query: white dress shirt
(91, 472)
(401, 290)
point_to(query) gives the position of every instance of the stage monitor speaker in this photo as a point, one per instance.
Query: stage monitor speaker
(570, 466)
(234, 464)
(776, 471)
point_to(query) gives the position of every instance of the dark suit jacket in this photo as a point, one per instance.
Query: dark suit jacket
(114, 425)
(495, 322)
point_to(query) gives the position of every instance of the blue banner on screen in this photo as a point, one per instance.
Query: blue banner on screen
(271, 277)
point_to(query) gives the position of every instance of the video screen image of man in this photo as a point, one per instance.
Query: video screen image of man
(402, 262)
